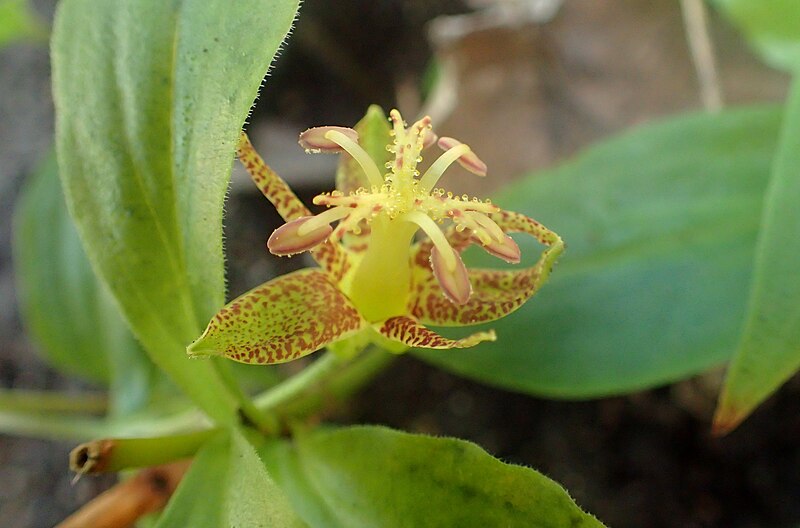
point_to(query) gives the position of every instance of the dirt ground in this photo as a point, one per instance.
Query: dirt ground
(527, 95)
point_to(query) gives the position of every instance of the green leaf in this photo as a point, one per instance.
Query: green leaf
(60, 300)
(373, 476)
(67, 311)
(660, 226)
(150, 98)
(18, 22)
(772, 26)
(769, 352)
(227, 485)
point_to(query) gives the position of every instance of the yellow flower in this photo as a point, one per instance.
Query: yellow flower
(375, 283)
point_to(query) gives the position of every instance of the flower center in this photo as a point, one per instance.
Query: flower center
(396, 205)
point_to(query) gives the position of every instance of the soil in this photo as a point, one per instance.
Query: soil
(529, 96)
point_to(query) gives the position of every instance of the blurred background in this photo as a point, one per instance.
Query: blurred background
(527, 84)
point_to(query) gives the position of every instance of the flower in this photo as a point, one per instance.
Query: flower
(375, 282)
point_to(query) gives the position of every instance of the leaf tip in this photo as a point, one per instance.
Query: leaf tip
(726, 419)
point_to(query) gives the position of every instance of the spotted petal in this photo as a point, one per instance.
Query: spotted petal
(281, 320)
(329, 255)
(495, 293)
(411, 333)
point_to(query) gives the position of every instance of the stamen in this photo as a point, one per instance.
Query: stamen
(469, 161)
(429, 138)
(455, 283)
(314, 140)
(397, 125)
(505, 249)
(488, 224)
(286, 240)
(359, 154)
(436, 170)
(326, 217)
(437, 237)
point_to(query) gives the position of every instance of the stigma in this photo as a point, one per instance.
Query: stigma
(401, 196)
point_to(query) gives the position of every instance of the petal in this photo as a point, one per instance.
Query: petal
(286, 241)
(495, 293)
(314, 139)
(330, 256)
(269, 183)
(282, 320)
(454, 283)
(411, 333)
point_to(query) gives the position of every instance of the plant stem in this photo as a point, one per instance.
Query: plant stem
(111, 455)
(246, 407)
(51, 425)
(318, 371)
(696, 22)
(17, 400)
(340, 387)
(327, 381)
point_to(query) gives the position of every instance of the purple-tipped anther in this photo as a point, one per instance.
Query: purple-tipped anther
(286, 241)
(429, 138)
(455, 283)
(315, 140)
(507, 250)
(469, 160)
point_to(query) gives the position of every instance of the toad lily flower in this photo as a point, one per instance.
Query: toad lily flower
(375, 283)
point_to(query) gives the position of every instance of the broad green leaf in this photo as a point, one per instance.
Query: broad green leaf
(227, 485)
(660, 226)
(150, 98)
(18, 22)
(374, 476)
(769, 352)
(67, 311)
(60, 300)
(772, 26)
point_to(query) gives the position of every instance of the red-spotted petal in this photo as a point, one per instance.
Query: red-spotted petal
(314, 139)
(495, 293)
(286, 241)
(269, 183)
(454, 283)
(284, 319)
(469, 160)
(330, 256)
(411, 333)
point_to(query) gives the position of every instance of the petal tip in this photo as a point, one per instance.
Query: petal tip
(202, 349)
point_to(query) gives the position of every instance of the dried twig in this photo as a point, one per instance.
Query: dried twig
(696, 21)
(128, 501)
